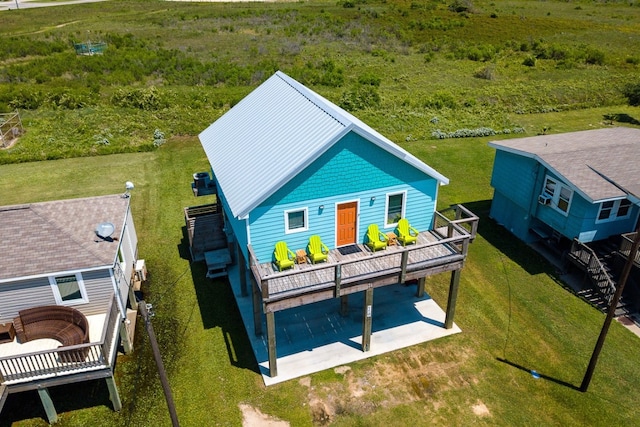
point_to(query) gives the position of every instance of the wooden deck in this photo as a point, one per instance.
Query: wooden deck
(354, 268)
(39, 359)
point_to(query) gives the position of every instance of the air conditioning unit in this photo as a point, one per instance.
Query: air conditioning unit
(544, 199)
(141, 270)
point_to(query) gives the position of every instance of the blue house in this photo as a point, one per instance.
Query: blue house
(289, 164)
(579, 185)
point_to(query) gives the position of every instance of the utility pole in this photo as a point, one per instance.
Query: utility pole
(612, 309)
(158, 357)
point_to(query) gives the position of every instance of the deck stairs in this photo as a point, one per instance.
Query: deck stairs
(597, 262)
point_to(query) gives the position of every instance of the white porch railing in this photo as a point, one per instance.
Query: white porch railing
(57, 362)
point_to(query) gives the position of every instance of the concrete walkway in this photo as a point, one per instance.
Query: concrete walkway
(315, 337)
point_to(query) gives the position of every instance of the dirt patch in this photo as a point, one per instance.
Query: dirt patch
(411, 375)
(253, 417)
(481, 410)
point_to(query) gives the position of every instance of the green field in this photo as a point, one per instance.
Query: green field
(411, 70)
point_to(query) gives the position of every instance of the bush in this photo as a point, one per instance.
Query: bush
(529, 61)
(369, 79)
(359, 98)
(486, 73)
(632, 92)
(147, 99)
(461, 6)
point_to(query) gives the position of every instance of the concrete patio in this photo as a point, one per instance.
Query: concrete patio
(315, 337)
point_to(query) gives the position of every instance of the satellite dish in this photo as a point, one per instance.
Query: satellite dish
(104, 230)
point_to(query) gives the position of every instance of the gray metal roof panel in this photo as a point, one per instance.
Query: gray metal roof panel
(273, 134)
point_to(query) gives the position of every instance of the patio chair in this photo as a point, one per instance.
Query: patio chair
(406, 233)
(317, 250)
(375, 239)
(283, 256)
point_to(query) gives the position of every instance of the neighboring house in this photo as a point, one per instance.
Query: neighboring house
(579, 185)
(79, 253)
(288, 164)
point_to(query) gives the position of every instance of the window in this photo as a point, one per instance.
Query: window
(69, 289)
(295, 220)
(559, 193)
(395, 208)
(612, 210)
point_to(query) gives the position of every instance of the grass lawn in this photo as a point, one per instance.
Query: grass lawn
(514, 314)
(177, 66)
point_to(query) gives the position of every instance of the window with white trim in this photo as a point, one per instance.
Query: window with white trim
(69, 289)
(559, 193)
(296, 220)
(395, 208)
(612, 210)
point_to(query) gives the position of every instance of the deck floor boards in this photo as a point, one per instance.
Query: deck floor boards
(304, 275)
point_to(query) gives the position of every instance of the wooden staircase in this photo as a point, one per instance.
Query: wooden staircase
(597, 264)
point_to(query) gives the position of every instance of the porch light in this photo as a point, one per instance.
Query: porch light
(373, 198)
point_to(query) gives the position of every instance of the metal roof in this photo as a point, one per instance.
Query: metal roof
(273, 134)
(601, 164)
(51, 237)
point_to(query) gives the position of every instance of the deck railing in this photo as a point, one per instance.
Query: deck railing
(454, 218)
(625, 247)
(598, 274)
(449, 246)
(56, 362)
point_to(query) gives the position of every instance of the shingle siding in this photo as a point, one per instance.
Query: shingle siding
(364, 171)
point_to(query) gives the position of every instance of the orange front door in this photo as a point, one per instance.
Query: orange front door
(346, 223)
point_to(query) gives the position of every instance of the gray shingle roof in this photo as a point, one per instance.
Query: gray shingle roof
(274, 133)
(601, 164)
(48, 237)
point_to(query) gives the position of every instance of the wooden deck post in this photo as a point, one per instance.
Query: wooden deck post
(344, 305)
(113, 393)
(271, 343)
(47, 404)
(132, 298)
(242, 269)
(257, 306)
(403, 266)
(367, 313)
(124, 337)
(453, 296)
(420, 290)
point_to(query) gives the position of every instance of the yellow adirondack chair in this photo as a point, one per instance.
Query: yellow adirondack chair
(317, 250)
(283, 257)
(406, 233)
(375, 239)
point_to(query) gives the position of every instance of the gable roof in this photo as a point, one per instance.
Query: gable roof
(601, 164)
(52, 237)
(274, 133)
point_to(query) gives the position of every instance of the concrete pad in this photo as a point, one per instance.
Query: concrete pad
(316, 337)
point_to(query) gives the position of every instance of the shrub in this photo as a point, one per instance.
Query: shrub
(632, 92)
(143, 99)
(461, 6)
(594, 56)
(440, 100)
(529, 61)
(369, 79)
(360, 97)
(487, 73)
(158, 138)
